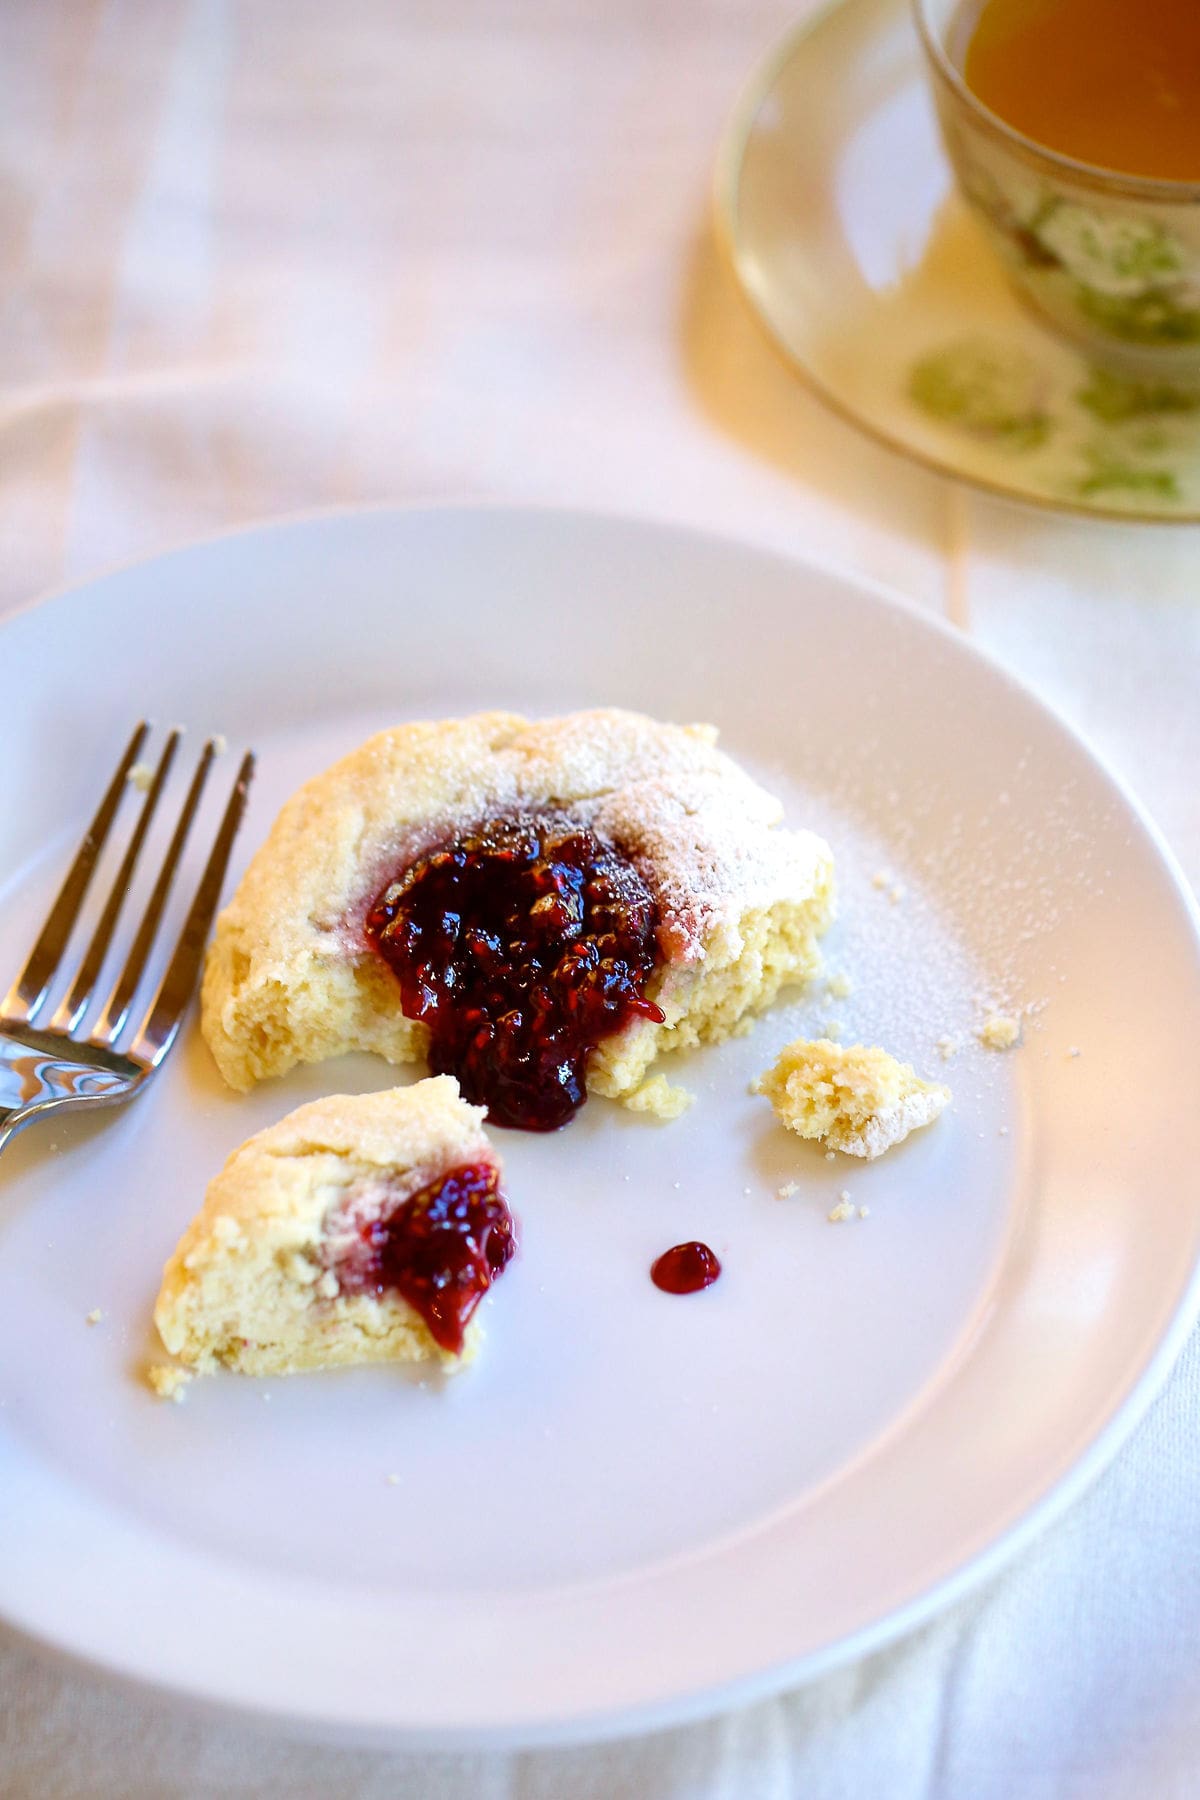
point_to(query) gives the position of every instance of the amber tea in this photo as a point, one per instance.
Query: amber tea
(1114, 83)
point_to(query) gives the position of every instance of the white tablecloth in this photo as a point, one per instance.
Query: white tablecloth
(262, 255)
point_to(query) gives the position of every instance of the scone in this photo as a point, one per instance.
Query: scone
(360, 1228)
(539, 909)
(850, 1096)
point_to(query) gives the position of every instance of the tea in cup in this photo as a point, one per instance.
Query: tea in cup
(1073, 127)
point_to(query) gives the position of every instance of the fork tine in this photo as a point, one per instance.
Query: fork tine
(72, 1008)
(116, 1009)
(30, 988)
(158, 1029)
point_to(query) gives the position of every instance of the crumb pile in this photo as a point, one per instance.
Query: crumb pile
(999, 1031)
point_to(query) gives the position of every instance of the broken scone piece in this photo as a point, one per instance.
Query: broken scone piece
(360, 1228)
(849, 1096)
(540, 909)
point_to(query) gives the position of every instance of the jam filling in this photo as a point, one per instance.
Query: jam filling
(685, 1269)
(521, 945)
(441, 1249)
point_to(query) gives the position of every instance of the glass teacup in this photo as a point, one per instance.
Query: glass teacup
(1110, 260)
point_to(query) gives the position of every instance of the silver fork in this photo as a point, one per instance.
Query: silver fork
(45, 1068)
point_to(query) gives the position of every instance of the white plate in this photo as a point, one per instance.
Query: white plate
(635, 1508)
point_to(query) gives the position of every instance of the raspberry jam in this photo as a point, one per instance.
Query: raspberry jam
(685, 1269)
(442, 1249)
(521, 945)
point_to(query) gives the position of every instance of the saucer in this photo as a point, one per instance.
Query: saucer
(840, 216)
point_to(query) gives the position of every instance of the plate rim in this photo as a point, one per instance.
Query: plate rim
(976, 1567)
(725, 209)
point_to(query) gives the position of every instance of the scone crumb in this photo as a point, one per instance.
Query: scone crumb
(393, 1481)
(831, 1156)
(661, 1098)
(95, 1316)
(220, 743)
(947, 1047)
(839, 986)
(168, 1382)
(897, 892)
(881, 879)
(788, 1189)
(864, 1212)
(833, 1028)
(843, 1210)
(140, 776)
(999, 1031)
(854, 1098)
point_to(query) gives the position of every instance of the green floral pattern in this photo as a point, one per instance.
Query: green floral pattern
(1116, 398)
(984, 388)
(1115, 271)
(1106, 440)
(1153, 317)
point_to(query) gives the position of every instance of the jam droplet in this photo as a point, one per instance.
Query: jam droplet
(442, 1249)
(685, 1269)
(520, 945)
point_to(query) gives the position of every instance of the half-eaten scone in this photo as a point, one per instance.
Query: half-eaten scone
(539, 909)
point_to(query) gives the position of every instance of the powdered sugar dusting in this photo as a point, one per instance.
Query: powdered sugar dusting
(894, 1123)
(705, 857)
(705, 837)
(981, 892)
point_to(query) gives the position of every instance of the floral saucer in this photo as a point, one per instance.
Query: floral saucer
(839, 213)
